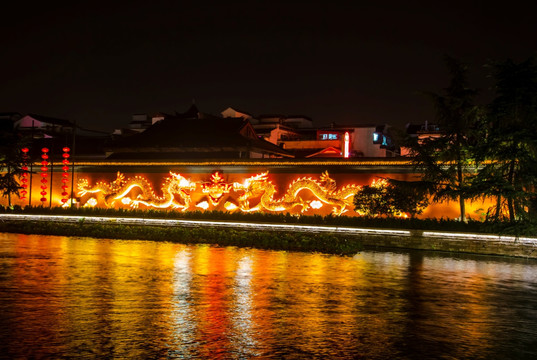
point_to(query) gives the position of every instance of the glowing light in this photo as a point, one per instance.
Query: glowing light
(67, 203)
(178, 191)
(216, 188)
(65, 174)
(24, 174)
(230, 206)
(222, 224)
(91, 202)
(119, 188)
(126, 200)
(316, 204)
(380, 162)
(346, 145)
(44, 175)
(203, 205)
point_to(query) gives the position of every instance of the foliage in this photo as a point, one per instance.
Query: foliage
(371, 200)
(509, 145)
(10, 164)
(392, 198)
(447, 160)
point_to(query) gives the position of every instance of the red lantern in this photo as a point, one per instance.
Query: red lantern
(65, 173)
(24, 175)
(44, 174)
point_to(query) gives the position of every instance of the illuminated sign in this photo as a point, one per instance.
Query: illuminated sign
(346, 146)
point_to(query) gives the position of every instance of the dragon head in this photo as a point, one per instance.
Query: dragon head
(328, 183)
(252, 186)
(180, 183)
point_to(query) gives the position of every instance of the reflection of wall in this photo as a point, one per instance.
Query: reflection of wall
(280, 174)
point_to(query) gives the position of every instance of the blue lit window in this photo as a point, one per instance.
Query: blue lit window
(330, 136)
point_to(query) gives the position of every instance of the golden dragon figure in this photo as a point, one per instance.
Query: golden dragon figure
(324, 190)
(175, 184)
(259, 185)
(108, 190)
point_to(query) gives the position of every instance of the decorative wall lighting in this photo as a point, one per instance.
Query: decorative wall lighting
(256, 193)
(24, 174)
(346, 145)
(65, 174)
(216, 188)
(44, 175)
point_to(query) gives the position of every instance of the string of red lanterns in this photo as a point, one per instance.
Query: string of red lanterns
(24, 175)
(65, 174)
(44, 174)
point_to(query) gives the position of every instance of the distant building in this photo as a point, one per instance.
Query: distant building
(234, 113)
(195, 135)
(362, 141)
(43, 126)
(421, 131)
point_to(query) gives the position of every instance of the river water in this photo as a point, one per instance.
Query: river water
(67, 297)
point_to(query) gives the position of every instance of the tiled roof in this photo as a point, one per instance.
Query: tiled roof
(51, 120)
(196, 136)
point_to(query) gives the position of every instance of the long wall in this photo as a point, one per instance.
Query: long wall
(306, 186)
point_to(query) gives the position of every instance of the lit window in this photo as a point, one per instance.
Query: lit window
(329, 136)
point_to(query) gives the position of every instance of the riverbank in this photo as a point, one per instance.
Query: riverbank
(291, 237)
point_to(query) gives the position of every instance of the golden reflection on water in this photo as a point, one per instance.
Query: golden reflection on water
(137, 299)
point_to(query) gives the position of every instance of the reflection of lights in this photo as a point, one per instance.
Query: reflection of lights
(126, 200)
(242, 318)
(316, 204)
(182, 317)
(203, 205)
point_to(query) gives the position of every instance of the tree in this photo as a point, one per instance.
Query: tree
(409, 197)
(392, 197)
(509, 140)
(447, 160)
(10, 164)
(371, 200)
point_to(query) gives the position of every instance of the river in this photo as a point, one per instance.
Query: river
(65, 297)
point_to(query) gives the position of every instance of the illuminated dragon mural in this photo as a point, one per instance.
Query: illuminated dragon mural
(256, 193)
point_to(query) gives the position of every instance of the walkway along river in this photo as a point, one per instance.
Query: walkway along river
(368, 238)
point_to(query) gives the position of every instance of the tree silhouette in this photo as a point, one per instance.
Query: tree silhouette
(447, 160)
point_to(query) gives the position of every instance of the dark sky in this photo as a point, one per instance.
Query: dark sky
(364, 62)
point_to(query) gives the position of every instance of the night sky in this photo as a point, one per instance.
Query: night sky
(358, 63)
